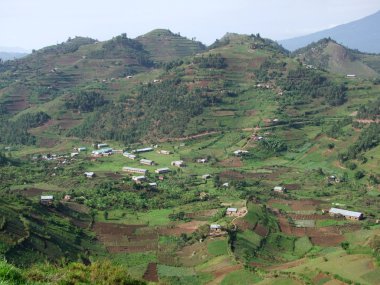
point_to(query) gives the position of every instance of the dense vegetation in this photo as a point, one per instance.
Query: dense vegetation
(85, 101)
(368, 139)
(211, 61)
(16, 131)
(370, 110)
(72, 273)
(302, 85)
(161, 109)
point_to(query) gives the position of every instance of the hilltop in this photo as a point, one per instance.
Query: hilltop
(329, 55)
(362, 34)
(164, 46)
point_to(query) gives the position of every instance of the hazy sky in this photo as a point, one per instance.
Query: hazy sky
(37, 23)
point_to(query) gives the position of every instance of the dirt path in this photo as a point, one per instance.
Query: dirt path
(222, 272)
(287, 265)
(189, 137)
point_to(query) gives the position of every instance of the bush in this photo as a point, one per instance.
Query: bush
(9, 273)
(359, 175)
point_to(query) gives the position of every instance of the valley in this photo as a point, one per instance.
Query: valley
(188, 165)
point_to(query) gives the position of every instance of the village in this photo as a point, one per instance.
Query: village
(142, 170)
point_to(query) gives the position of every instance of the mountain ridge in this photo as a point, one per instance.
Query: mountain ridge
(361, 34)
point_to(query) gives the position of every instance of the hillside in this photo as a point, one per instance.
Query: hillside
(362, 34)
(329, 55)
(165, 46)
(218, 168)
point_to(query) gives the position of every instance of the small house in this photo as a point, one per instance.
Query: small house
(146, 162)
(153, 184)
(178, 163)
(129, 155)
(162, 170)
(161, 178)
(134, 170)
(82, 148)
(138, 179)
(102, 152)
(140, 150)
(47, 200)
(349, 215)
(240, 152)
(215, 228)
(67, 198)
(101, 145)
(333, 179)
(279, 189)
(226, 184)
(164, 152)
(202, 160)
(351, 75)
(89, 174)
(74, 154)
(231, 211)
(206, 176)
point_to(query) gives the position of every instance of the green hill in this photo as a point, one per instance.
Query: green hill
(331, 56)
(165, 46)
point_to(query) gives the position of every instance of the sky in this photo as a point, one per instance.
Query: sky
(33, 24)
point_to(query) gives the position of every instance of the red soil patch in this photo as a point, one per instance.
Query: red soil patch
(367, 121)
(113, 175)
(243, 224)
(292, 186)
(43, 128)
(287, 265)
(120, 238)
(327, 240)
(250, 113)
(31, 192)
(313, 217)
(80, 208)
(132, 248)
(322, 236)
(225, 270)
(151, 273)
(116, 229)
(68, 123)
(223, 113)
(261, 230)
(298, 205)
(271, 174)
(48, 142)
(231, 162)
(321, 276)
(200, 214)
(187, 228)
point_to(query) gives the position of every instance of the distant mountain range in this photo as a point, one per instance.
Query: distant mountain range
(363, 34)
(11, 55)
